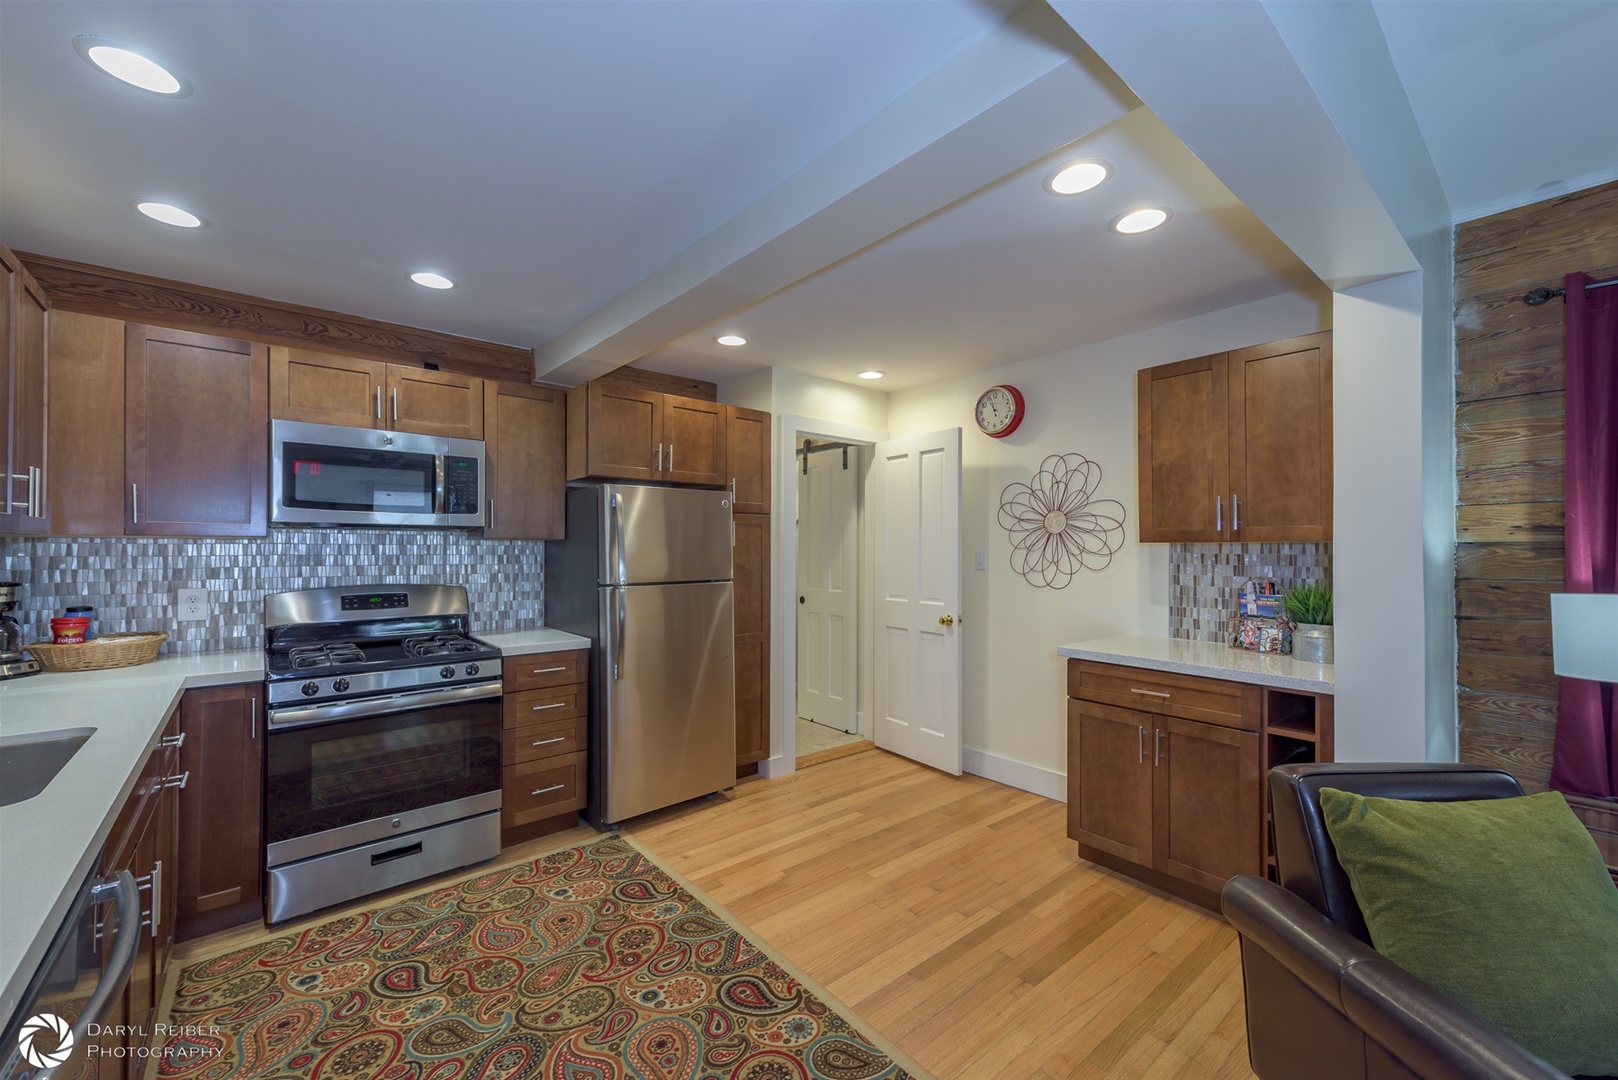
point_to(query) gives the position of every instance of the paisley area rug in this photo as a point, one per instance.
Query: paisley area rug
(591, 963)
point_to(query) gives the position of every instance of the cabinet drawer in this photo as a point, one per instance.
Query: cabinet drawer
(1213, 701)
(535, 706)
(535, 790)
(553, 738)
(543, 669)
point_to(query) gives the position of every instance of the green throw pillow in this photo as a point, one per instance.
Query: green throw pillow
(1503, 905)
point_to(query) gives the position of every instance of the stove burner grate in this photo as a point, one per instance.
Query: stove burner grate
(326, 655)
(438, 645)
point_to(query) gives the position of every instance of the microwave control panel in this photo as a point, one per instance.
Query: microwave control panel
(461, 494)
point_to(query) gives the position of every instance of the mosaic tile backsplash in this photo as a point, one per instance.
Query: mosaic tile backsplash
(130, 581)
(1203, 579)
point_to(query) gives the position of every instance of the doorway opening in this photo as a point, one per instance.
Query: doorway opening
(831, 584)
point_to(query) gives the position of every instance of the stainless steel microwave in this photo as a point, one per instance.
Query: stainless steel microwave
(321, 474)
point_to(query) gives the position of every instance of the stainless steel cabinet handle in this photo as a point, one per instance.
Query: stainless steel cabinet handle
(542, 708)
(175, 781)
(1149, 693)
(1219, 513)
(396, 404)
(154, 882)
(36, 490)
(10, 502)
(252, 718)
(659, 457)
(546, 790)
(548, 742)
(671, 457)
(547, 670)
(1235, 512)
(491, 513)
(1142, 743)
(379, 401)
(174, 741)
(134, 496)
(1157, 747)
(732, 489)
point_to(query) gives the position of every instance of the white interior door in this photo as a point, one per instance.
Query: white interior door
(828, 589)
(915, 505)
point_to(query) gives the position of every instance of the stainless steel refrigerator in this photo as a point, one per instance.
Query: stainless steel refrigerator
(645, 574)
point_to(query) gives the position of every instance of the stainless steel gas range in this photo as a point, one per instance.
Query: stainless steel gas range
(383, 756)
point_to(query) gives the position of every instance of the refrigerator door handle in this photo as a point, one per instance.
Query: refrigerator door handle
(616, 524)
(618, 635)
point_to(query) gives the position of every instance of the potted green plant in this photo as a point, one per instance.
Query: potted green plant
(1309, 606)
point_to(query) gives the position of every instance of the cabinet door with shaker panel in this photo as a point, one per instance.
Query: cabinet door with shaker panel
(23, 335)
(221, 856)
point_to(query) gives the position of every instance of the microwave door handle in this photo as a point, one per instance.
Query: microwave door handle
(439, 495)
(123, 889)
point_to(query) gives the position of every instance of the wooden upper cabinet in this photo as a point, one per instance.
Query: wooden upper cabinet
(88, 492)
(320, 388)
(747, 452)
(525, 447)
(1238, 446)
(694, 442)
(350, 391)
(1182, 434)
(442, 403)
(1281, 440)
(614, 432)
(23, 342)
(196, 434)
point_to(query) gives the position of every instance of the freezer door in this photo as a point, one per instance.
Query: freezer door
(669, 696)
(654, 534)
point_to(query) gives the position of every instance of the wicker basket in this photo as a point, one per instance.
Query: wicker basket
(107, 651)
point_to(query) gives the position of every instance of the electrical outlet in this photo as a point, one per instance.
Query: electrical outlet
(192, 604)
(980, 559)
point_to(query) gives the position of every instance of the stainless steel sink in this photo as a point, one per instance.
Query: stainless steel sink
(28, 763)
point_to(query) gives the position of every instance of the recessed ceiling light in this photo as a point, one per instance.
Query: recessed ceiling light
(732, 340)
(127, 65)
(1145, 219)
(431, 280)
(169, 214)
(872, 374)
(1076, 176)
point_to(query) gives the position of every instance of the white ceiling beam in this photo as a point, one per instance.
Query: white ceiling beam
(1026, 89)
(1221, 76)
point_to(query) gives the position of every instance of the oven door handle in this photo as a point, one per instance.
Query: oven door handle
(297, 716)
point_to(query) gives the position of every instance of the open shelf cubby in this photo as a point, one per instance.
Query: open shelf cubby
(1297, 729)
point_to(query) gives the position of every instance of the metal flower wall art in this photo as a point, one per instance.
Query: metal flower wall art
(1056, 524)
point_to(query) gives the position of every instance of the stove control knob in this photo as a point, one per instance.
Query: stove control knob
(446, 672)
(310, 689)
(471, 669)
(340, 685)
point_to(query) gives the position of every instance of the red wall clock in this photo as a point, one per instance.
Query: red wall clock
(1000, 411)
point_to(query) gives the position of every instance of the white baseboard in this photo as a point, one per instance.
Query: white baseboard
(1017, 774)
(770, 768)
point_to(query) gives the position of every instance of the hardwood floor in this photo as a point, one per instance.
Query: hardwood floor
(953, 916)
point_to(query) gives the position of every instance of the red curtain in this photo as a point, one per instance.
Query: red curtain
(1586, 761)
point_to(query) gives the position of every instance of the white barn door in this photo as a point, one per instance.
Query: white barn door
(915, 505)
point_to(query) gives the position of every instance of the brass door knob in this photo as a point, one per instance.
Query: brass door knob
(946, 620)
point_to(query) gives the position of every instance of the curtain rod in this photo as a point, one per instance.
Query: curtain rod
(1542, 296)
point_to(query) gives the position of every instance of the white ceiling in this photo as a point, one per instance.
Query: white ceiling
(554, 158)
(1014, 272)
(1517, 101)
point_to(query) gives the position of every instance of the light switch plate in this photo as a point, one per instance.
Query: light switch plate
(980, 559)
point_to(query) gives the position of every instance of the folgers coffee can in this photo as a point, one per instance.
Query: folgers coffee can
(70, 631)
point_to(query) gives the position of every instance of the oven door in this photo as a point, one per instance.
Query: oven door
(330, 785)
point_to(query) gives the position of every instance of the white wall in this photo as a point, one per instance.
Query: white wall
(1081, 400)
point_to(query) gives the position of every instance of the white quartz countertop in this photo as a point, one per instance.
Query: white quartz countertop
(1208, 658)
(539, 640)
(49, 844)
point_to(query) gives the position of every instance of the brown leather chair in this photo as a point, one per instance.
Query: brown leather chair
(1322, 1004)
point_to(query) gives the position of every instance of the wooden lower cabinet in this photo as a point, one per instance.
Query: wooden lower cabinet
(752, 640)
(1173, 801)
(544, 753)
(144, 842)
(221, 813)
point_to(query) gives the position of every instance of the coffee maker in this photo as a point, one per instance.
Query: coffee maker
(14, 662)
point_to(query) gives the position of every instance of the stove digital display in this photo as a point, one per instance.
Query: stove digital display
(375, 601)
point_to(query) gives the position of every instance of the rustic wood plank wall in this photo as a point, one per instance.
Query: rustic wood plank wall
(1509, 408)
